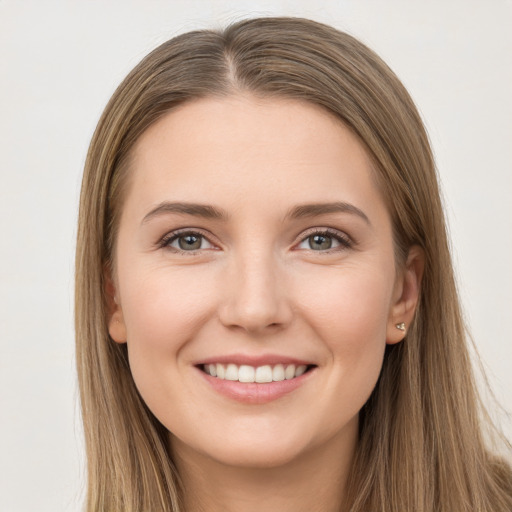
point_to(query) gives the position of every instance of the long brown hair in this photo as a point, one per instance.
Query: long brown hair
(421, 446)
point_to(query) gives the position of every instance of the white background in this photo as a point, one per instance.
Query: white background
(59, 63)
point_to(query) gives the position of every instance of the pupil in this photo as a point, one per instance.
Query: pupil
(320, 242)
(188, 242)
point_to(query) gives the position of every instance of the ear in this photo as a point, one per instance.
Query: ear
(116, 325)
(405, 296)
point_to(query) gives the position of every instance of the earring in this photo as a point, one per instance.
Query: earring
(401, 326)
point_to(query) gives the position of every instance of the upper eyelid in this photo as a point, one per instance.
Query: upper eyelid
(322, 229)
(176, 233)
(325, 230)
(184, 231)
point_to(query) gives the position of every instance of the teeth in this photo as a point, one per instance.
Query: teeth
(246, 373)
(231, 372)
(278, 372)
(300, 370)
(221, 372)
(289, 373)
(261, 374)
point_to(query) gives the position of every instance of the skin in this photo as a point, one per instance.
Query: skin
(255, 286)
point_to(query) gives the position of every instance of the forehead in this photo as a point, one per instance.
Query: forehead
(241, 148)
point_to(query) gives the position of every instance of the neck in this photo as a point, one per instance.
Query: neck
(313, 482)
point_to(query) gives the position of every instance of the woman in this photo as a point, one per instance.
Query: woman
(266, 310)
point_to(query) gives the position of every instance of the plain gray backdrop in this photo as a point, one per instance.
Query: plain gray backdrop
(60, 62)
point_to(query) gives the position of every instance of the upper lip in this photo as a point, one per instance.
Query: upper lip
(254, 360)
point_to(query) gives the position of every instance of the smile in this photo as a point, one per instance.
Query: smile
(255, 379)
(259, 374)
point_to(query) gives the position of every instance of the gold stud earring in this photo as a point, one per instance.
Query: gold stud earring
(401, 326)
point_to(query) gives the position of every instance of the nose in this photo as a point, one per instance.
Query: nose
(255, 298)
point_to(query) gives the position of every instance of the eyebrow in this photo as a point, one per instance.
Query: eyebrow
(207, 211)
(197, 210)
(316, 209)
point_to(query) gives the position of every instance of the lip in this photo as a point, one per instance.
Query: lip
(254, 360)
(254, 392)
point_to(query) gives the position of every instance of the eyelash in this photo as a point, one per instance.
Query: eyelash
(165, 242)
(344, 241)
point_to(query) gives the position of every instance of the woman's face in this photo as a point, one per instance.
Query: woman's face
(254, 244)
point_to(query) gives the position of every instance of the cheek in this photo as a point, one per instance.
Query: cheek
(350, 306)
(163, 311)
(349, 315)
(161, 306)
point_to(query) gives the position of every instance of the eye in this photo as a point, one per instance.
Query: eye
(186, 241)
(325, 240)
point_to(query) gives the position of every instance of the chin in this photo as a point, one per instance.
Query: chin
(256, 456)
(257, 447)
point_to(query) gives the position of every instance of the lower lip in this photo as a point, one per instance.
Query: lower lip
(254, 392)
